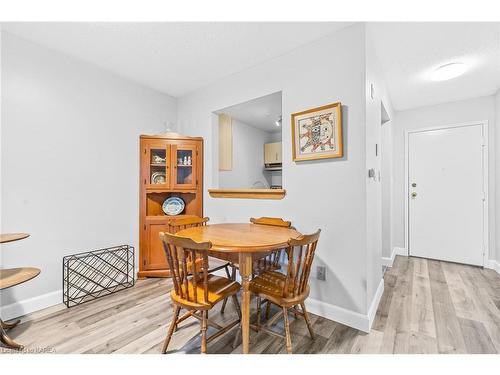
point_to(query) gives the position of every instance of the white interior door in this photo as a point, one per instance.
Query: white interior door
(446, 198)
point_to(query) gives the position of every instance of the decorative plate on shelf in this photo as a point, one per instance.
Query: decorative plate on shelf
(158, 178)
(173, 206)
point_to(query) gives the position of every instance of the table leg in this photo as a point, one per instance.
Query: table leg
(245, 264)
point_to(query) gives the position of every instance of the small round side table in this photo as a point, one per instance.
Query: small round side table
(10, 277)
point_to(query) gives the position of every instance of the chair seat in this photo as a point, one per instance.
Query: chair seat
(270, 284)
(219, 288)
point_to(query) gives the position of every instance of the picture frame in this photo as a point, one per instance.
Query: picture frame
(317, 133)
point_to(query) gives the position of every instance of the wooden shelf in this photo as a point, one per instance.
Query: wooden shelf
(164, 216)
(184, 166)
(157, 186)
(15, 276)
(248, 193)
(158, 164)
(166, 190)
(273, 168)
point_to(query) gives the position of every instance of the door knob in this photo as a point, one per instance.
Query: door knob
(413, 195)
(414, 185)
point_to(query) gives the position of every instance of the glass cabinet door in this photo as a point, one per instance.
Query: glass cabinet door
(158, 161)
(184, 172)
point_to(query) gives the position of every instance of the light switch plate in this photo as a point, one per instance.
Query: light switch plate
(321, 273)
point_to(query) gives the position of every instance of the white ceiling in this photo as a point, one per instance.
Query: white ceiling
(409, 52)
(260, 112)
(178, 58)
(175, 58)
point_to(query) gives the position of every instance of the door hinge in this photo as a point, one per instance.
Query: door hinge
(484, 196)
(144, 262)
(144, 226)
(144, 181)
(144, 151)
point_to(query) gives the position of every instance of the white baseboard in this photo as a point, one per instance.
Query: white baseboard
(494, 265)
(396, 251)
(30, 305)
(348, 317)
(372, 311)
(339, 314)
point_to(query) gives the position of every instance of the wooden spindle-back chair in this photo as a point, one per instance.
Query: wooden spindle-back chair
(194, 288)
(290, 289)
(177, 225)
(271, 261)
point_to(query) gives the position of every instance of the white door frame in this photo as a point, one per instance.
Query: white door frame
(486, 237)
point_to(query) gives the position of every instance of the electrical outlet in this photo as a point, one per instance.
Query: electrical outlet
(321, 273)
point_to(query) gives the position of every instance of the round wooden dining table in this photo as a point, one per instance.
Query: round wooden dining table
(242, 244)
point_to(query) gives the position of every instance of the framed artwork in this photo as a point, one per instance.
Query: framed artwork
(317, 133)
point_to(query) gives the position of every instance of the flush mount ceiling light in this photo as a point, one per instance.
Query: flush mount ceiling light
(449, 71)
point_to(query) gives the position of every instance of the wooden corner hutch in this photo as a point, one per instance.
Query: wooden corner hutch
(171, 166)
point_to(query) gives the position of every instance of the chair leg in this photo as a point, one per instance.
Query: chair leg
(236, 305)
(306, 318)
(268, 309)
(223, 308)
(288, 339)
(227, 272)
(204, 315)
(237, 336)
(259, 300)
(231, 277)
(171, 328)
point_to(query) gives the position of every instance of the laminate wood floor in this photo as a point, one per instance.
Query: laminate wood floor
(427, 307)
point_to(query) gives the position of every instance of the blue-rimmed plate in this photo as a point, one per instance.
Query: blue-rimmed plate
(173, 206)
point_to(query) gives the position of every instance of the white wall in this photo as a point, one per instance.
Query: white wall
(443, 114)
(497, 179)
(375, 93)
(70, 161)
(248, 158)
(327, 194)
(1, 231)
(387, 189)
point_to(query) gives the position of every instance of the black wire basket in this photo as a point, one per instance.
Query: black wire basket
(94, 274)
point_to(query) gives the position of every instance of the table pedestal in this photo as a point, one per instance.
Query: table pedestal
(4, 338)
